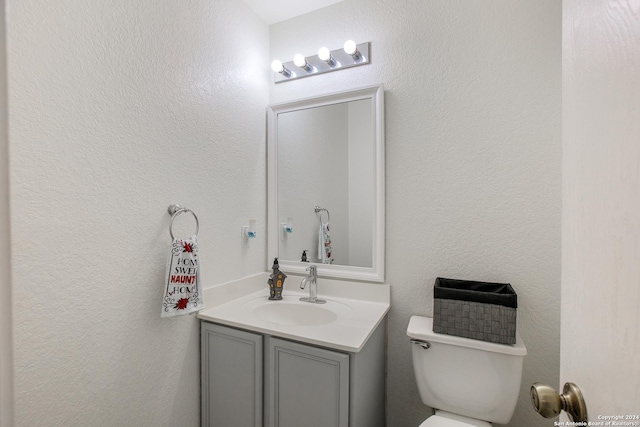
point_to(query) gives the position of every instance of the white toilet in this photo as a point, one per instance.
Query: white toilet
(468, 382)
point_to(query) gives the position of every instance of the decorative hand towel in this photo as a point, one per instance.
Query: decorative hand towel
(324, 243)
(183, 291)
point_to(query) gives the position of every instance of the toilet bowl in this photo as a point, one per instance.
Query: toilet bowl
(468, 382)
(445, 419)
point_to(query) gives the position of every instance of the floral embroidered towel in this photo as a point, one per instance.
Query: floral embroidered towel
(183, 291)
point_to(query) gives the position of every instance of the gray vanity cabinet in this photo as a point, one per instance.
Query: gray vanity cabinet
(301, 385)
(305, 385)
(231, 369)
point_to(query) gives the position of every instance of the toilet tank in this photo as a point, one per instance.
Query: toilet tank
(473, 378)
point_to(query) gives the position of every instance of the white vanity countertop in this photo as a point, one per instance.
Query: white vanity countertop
(358, 308)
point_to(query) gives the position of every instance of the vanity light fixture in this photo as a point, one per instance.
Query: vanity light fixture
(351, 55)
(278, 67)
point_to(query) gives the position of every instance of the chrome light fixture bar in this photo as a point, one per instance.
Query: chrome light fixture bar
(325, 61)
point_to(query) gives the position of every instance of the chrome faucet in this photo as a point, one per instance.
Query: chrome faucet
(312, 279)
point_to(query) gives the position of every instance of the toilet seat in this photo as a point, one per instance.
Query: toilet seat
(445, 419)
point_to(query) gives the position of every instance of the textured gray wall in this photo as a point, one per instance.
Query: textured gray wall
(118, 109)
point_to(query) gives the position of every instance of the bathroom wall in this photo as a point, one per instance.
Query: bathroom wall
(118, 109)
(473, 149)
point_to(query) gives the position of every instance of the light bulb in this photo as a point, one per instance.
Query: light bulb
(350, 47)
(277, 66)
(324, 54)
(299, 60)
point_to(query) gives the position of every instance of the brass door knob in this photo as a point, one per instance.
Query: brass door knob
(548, 403)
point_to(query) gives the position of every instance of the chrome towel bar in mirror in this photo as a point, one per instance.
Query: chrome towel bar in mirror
(319, 210)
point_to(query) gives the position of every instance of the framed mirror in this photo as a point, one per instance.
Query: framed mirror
(326, 184)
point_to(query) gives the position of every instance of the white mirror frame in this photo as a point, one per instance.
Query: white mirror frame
(376, 272)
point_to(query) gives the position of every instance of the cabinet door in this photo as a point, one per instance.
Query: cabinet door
(305, 385)
(231, 377)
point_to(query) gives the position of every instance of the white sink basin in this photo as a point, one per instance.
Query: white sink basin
(298, 314)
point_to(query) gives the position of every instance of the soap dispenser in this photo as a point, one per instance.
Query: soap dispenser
(276, 281)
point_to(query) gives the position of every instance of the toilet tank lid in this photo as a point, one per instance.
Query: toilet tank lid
(421, 328)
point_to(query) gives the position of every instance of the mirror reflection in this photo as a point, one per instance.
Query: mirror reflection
(326, 183)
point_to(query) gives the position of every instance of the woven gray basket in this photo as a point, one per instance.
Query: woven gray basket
(477, 310)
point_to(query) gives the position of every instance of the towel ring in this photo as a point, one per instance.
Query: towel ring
(319, 210)
(176, 210)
